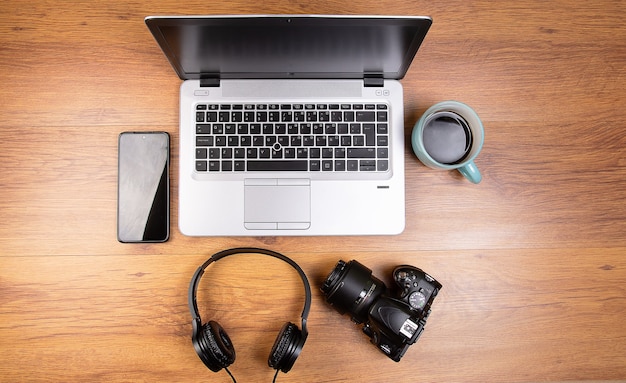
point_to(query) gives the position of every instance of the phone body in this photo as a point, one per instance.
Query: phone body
(143, 187)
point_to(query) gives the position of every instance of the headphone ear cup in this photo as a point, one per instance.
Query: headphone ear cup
(217, 349)
(286, 349)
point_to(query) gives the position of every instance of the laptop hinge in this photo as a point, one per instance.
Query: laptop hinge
(212, 82)
(374, 80)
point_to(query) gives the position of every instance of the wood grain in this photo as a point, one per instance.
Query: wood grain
(532, 259)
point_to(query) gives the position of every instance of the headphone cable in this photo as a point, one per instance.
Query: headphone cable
(234, 381)
(231, 375)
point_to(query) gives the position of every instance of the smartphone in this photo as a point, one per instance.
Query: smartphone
(143, 185)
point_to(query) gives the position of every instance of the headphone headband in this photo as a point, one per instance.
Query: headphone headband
(195, 281)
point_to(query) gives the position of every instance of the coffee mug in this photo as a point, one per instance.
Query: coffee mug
(449, 135)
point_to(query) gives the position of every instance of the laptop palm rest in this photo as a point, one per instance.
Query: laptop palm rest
(277, 204)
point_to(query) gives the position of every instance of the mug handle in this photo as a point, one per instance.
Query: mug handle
(470, 171)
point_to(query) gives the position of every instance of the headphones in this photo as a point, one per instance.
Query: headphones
(213, 345)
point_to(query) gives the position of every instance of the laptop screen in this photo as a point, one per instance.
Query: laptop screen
(344, 47)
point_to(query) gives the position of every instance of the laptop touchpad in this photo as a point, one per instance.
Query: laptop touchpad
(277, 204)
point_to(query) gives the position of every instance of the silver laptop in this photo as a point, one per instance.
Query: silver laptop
(290, 125)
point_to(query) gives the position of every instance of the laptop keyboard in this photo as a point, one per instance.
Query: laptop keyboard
(292, 137)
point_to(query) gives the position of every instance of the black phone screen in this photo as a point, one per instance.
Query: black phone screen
(143, 187)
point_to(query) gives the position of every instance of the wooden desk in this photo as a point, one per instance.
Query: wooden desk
(532, 260)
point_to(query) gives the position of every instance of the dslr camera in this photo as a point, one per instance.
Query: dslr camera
(392, 321)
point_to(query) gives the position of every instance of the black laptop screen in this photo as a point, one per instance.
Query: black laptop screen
(289, 46)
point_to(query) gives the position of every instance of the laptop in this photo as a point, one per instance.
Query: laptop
(290, 125)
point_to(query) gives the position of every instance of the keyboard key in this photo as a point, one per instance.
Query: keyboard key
(274, 116)
(369, 130)
(214, 153)
(201, 153)
(211, 116)
(201, 166)
(227, 153)
(353, 165)
(220, 141)
(203, 128)
(252, 153)
(361, 153)
(367, 165)
(280, 165)
(358, 140)
(236, 117)
(218, 129)
(233, 141)
(230, 128)
(298, 116)
(248, 116)
(242, 129)
(366, 116)
(204, 141)
(264, 152)
(286, 116)
(315, 153)
(340, 165)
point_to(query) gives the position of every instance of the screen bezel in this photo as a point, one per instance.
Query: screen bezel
(419, 24)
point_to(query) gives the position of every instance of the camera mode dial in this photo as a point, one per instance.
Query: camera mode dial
(417, 286)
(417, 300)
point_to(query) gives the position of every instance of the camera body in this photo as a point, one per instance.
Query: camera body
(392, 321)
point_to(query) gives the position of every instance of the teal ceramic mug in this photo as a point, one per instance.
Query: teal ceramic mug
(449, 136)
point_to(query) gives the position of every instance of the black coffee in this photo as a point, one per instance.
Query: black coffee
(447, 139)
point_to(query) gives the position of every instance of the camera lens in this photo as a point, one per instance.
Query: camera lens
(350, 287)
